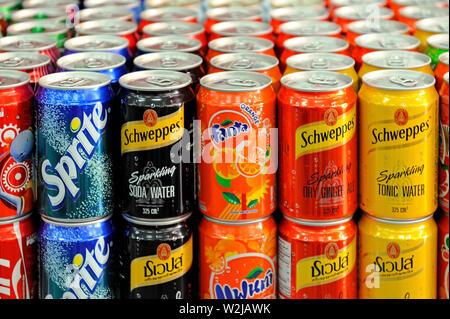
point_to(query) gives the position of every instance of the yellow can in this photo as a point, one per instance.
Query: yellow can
(425, 28)
(398, 144)
(397, 260)
(395, 59)
(323, 62)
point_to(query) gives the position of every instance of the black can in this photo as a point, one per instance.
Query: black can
(157, 169)
(157, 258)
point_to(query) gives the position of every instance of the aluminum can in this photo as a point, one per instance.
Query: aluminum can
(317, 260)
(398, 149)
(396, 5)
(346, 15)
(7, 7)
(166, 14)
(170, 43)
(133, 6)
(296, 3)
(428, 27)
(441, 69)
(336, 4)
(224, 14)
(443, 146)
(242, 29)
(107, 12)
(443, 243)
(411, 14)
(26, 4)
(437, 44)
(50, 13)
(301, 13)
(238, 260)
(3, 24)
(75, 149)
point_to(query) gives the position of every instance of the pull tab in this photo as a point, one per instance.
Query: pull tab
(94, 63)
(111, 27)
(244, 29)
(242, 64)
(441, 28)
(243, 46)
(71, 82)
(169, 62)
(12, 62)
(313, 46)
(237, 15)
(309, 29)
(241, 82)
(164, 82)
(169, 15)
(396, 61)
(24, 44)
(177, 29)
(398, 79)
(319, 63)
(388, 43)
(323, 80)
(169, 45)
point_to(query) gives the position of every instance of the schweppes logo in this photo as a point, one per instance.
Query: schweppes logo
(152, 132)
(333, 265)
(165, 266)
(332, 132)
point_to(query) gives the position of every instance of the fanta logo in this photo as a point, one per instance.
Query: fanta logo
(331, 250)
(247, 289)
(401, 117)
(150, 118)
(251, 112)
(163, 251)
(67, 171)
(228, 129)
(393, 250)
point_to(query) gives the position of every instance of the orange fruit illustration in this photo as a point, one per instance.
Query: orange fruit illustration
(224, 163)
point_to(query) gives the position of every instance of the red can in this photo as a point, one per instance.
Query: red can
(439, 72)
(224, 14)
(382, 42)
(179, 28)
(317, 260)
(443, 243)
(312, 45)
(345, 15)
(35, 64)
(444, 145)
(3, 24)
(242, 28)
(123, 29)
(18, 258)
(318, 146)
(396, 5)
(306, 28)
(282, 15)
(336, 4)
(166, 14)
(16, 144)
(410, 15)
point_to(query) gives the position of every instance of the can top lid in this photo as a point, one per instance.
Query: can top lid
(46, 3)
(294, 3)
(173, 28)
(74, 80)
(316, 44)
(27, 42)
(240, 44)
(434, 25)
(320, 62)
(300, 13)
(11, 79)
(241, 28)
(169, 43)
(23, 60)
(96, 43)
(75, 223)
(320, 223)
(155, 80)
(168, 60)
(171, 3)
(234, 13)
(382, 26)
(317, 81)
(91, 61)
(438, 41)
(399, 221)
(446, 80)
(244, 61)
(168, 14)
(236, 222)
(396, 59)
(310, 28)
(9, 3)
(38, 26)
(7, 221)
(362, 12)
(107, 12)
(405, 3)
(101, 3)
(51, 13)
(444, 58)
(344, 3)
(235, 81)
(422, 12)
(106, 26)
(227, 3)
(387, 41)
(398, 80)
(156, 221)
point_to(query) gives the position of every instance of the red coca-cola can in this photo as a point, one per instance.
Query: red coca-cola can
(16, 144)
(242, 29)
(18, 246)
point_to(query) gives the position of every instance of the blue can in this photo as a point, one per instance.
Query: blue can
(99, 43)
(74, 145)
(76, 261)
(111, 64)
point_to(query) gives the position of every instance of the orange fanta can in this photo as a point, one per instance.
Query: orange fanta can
(237, 167)
(238, 259)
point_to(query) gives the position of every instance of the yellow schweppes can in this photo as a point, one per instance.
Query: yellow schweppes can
(398, 144)
(397, 259)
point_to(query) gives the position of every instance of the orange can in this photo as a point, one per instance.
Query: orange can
(336, 4)
(396, 5)
(441, 69)
(260, 63)
(282, 15)
(444, 145)
(224, 14)
(410, 15)
(238, 259)
(238, 148)
(242, 28)
(239, 44)
(345, 15)
(312, 45)
(166, 14)
(443, 243)
(317, 260)
(318, 146)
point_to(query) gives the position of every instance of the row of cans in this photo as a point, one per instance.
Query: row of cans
(240, 260)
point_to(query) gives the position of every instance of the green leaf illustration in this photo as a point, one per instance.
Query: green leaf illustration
(252, 203)
(226, 122)
(231, 198)
(223, 182)
(254, 273)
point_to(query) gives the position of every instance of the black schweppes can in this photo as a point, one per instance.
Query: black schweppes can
(157, 170)
(157, 259)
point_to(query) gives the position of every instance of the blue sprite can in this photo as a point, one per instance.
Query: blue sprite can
(111, 64)
(74, 145)
(76, 261)
(99, 43)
